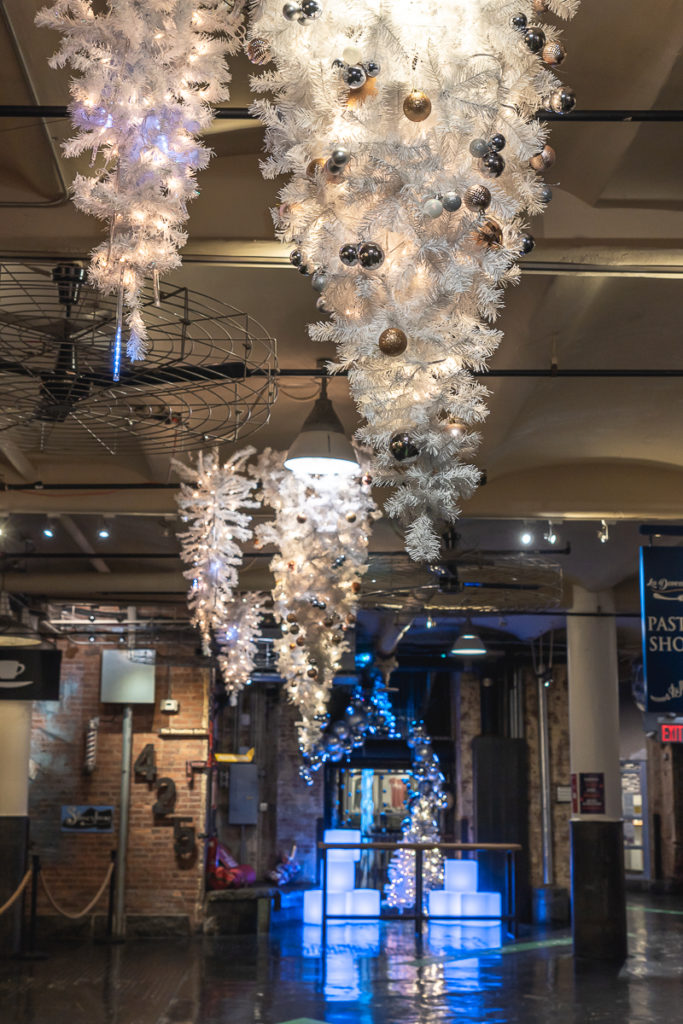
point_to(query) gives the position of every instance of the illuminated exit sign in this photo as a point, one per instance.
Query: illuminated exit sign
(671, 732)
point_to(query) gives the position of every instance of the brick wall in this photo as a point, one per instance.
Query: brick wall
(74, 864)
(299, 807)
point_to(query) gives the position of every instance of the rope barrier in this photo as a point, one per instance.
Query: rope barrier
(13, 899)
(86, 910)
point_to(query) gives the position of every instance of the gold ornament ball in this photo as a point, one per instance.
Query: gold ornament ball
(540, 6)
(489, 233)
(417, 106)
(300, 641)
(543, 160)
(292, 647)
(355, 587)
(350, 517)
(258, 51)
(312, 673)
(477, 197)
(301, 518)
(553, 53)
(291, 617)
(393, 341)
(328, 622)
(315, 165)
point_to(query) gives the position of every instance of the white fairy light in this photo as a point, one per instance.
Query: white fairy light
(148, 73)
(409, 133)
(320, 529)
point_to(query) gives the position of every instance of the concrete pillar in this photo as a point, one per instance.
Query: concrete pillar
(598, 890)
(15, 747)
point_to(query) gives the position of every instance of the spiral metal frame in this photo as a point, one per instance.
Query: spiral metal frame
(209, 376)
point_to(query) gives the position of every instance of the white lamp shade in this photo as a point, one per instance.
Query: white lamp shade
(341, 876)
(461, 875)
(469, 645)
(321, 447)
(313, 905)
(342, 835)
(444, 904)
(363, 902)
(481, 904)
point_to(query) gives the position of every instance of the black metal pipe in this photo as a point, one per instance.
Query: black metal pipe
(244, 114)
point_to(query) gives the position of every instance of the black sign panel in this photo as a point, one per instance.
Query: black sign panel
(29, 674)
(661, 595)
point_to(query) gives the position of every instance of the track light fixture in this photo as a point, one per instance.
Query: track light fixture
(103, 530)
(48, 529)
(526, 537)
(603, 532)
(550, 536)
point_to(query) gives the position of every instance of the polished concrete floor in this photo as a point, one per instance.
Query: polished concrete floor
(373, 974)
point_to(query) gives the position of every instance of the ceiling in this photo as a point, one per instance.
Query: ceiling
(602, 291)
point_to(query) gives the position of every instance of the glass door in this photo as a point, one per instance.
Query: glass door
(634, 809)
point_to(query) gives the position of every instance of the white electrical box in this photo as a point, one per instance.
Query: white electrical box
(170, 707)
(127, 677)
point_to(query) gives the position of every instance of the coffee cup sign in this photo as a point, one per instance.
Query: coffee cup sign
(11, 669)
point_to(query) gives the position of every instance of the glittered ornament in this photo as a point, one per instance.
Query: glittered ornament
(292, 12)
(432, 208)
(402, 448)
(563, 100)
(526, 244)
(451, 201)
(543, 160)
(534, 39)
(354, 76)
(348, 254)
(493, 164)
(417, 106)
(479, 148)
(258, 51)
(553, 53)
(370, 255)
(393, 341)
(311, 9)
(489, 233)
(477, 197)
(497, 142)
(314, 166)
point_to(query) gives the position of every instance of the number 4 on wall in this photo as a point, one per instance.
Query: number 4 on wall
(146, 764)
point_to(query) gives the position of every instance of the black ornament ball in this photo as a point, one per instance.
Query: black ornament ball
(519, 22)
(370, 255)
(348, 254)
(526, 244)
(451, 201)
(340, 155)
(493, 164)
(303, 269)
(295, 257)
(534, 39)
(563, 100)
(311, 9)
(477, 197)
(402, 448)
(354, 76)
(497, 142)
(546, 194)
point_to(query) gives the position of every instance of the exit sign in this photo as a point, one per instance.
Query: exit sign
(671, 732)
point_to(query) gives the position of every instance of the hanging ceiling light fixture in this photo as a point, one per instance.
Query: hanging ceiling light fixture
(321, 447)
(468, 644)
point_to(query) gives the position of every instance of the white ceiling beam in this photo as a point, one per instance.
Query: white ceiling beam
(84, 544)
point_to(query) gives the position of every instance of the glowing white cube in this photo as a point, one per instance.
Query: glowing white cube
(313, 905)
(461, 875)
(341, 876)
(362, 902)
(481, 904)
(444, 904)
(342, 835)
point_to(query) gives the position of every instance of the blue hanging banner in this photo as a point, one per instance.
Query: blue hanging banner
(661, 611)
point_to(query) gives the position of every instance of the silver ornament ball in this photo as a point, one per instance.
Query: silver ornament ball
(340, 155)
(319, 281)
(432, 208)
(291, 11)
(451, 202)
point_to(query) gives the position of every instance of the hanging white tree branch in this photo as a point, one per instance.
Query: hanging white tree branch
(147, 74)
(211, 500)
(237, 643)
(321, 532)
(409, 133)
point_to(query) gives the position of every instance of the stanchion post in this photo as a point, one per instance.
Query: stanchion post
(112, 890)
(418, 892)
(33, 911)
(324, 902)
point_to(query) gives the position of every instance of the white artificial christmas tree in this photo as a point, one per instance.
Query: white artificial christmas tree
(212, 501)
(321, 530)
(408, 131)
(148, 72)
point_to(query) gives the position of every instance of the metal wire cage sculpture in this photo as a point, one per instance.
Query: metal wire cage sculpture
(209, 375)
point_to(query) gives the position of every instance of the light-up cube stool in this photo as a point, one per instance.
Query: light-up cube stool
(481, 904)
(341, 876)
(313, 905)
(362, 902)
(342, 835)
(444, 904)
(461, 875)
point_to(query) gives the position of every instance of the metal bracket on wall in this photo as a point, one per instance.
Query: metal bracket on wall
(195, 766)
